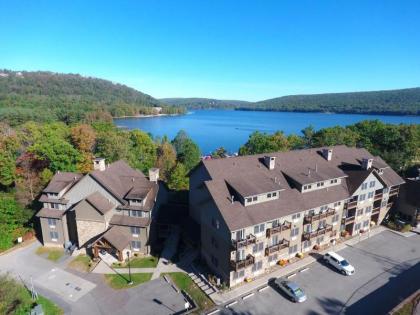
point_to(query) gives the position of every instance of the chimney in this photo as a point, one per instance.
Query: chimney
(99, 164)
(366, 163)
(154, 175)
(270, 162)
(327, 153)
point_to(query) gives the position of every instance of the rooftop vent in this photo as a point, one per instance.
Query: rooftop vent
(367, 163)
(327, 153)
(99, 164)
(270, 162)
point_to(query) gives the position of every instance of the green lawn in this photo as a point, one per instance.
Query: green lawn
(407, 309)
(120, 281)
(51, 253)
(81, 263)
(15, 299)
(184, 282)
(140, 262)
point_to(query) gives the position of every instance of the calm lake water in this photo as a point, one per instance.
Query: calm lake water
(230, 129)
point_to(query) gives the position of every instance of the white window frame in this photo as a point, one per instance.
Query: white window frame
(133, 247)
(52, 226)
(54, 239)
(133, 233)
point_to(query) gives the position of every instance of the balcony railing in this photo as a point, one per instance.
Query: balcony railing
(278, 247)
(348, 220)
(393, 191)
(376, 210)
(278, 229)
(389, 205)
(309, 235)
(378, 197)
(240, 264)
(249, 240)
(352, 204)
(319, 216)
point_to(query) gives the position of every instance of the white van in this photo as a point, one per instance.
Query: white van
(339, 263)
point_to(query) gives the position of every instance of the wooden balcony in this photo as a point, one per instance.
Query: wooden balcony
(389, 205)
(249, 240)
(315, 217)
(309, 235)
(376, 210)
(351, 204)
(237, 265)
(278, 229)
(348, 220)
(393, 191)
(378, 197)
(276, 248)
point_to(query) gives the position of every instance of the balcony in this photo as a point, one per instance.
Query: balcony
(378, 197)
(351, 204)
(389, 205)
(237, 265)
(393, 191)
(376, 210)
(348, 220)
(278, 229)
(276, 248)
(249, 240)
(315, 217)
(309, 235)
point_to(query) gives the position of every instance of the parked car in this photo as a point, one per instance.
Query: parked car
(291, 289)
(339, 263)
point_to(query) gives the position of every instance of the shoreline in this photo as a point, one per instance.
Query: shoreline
(145, 116)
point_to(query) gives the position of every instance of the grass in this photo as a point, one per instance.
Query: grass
(81, 263)
(140, 262)
(51, 253)
(407, 309)
(16, 299)
(184, 282)
(120, 281)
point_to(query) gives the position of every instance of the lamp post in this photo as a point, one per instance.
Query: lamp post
(130, 282)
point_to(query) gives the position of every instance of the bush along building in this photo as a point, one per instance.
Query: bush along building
(256, 210)
(112, 209)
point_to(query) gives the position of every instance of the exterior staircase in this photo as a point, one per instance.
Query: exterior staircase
(201, 281)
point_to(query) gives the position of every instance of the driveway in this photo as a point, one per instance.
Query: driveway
(86, 293)
(387, 271)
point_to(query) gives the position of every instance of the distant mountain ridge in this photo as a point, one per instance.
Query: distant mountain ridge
(44, 96)
(388, 102)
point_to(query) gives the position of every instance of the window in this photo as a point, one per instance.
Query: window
(274, 194)
(307, 187)
(296, 216)
(214, 261)
(335, 218)
(254, 198)
(366, 223)
(268, 195)
(323, 208)
(257, 266)
(364, 186)
(272, 258)
(215, 223)
(383, 204)
(320, 239)
(294, 232)
(248, 199)
(357, 227)
(55, 206)
(320, 184)
(238, 274)
(372, 184)
(135, 231)
(275, 223)
(385, 190)
(135, 245)
(308, 228)
(322, 224)
(334, 181)
(293, 249)
(54, 236)
(368, 209)
(258, 247)
(259, 228)
(52, 222)
(135, 213)
(336, 204)
(370, 195)
(362, 197)
(359, 212)
(307, 244)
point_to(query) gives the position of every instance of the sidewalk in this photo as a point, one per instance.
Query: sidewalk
(224, 297)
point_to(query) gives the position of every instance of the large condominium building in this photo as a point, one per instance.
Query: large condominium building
(112, 208)
(256, 210)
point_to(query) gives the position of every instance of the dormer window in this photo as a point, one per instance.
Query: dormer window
(255, 198)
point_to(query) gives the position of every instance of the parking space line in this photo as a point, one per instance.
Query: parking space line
(263, 288)
(291, 275)
(214, 312)
(231, 304)
(304, 269)
(248, 296)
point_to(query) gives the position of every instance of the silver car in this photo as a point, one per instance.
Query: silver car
(291, 289)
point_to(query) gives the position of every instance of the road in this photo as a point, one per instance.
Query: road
(387, 271)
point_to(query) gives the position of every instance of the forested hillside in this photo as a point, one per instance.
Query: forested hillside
(405, 102)
(47, 96)
(391, 102)
(204, 103)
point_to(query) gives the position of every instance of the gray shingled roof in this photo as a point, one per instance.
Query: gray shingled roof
(99, 202)
(345, 163)
(118, 219)
(50, 213)
(62, 180)
(117, 236)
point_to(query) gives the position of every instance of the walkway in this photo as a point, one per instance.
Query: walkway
(168, 252)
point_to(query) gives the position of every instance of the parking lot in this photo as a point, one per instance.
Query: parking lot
(387, 271)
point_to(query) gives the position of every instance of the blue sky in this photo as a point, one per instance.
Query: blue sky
(249, 50)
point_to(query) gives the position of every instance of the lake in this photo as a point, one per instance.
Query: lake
(229, 128)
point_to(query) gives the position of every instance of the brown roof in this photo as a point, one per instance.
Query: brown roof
(120, 179)
(117, 236)
(99, 202)
(50, 213)
(118, 219)
(44, 198)
(62, 180)
(247, 174)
